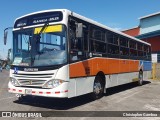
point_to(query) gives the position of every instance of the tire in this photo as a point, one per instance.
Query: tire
(20, 98)
(140, 78)
(98, 88)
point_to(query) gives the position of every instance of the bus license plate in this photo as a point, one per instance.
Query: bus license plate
(28, 91)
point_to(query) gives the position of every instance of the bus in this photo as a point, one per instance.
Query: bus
(61, 54)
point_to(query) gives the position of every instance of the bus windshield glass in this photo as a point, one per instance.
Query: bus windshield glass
(36, 47)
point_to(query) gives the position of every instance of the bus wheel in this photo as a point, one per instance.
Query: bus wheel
(140, 78)
(98, 88)
(20, 97)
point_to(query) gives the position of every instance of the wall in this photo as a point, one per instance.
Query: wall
(132, 31)
(150, 24)
(155, 42)
(156, 71)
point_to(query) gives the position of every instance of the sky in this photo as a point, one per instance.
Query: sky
(118, 14)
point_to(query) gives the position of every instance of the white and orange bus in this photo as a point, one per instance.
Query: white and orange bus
(61, 54)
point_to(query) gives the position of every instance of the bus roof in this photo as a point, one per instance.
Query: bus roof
(87, 20)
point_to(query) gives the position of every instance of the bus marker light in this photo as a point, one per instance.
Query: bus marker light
(33, 91)
(57, 92)
(20, 90)
(66, 91)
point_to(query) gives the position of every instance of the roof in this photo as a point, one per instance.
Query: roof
(129, 28)
(41, 12)
(150, 15)
(108, 28)
(148, 35)
(88, 20)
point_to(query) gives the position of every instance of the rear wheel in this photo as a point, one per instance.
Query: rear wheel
(140, 78)
(98, 88)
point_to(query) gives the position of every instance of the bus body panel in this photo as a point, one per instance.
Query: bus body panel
(117, 72)
(108, 66)
(120, 79)
(80, 86)
(62, 73)
(147, 65)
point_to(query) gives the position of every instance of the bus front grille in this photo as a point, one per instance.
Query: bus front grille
(33, 80)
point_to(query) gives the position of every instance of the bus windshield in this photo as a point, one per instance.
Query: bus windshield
(32, 48)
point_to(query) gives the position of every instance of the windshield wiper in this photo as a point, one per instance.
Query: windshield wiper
(38, 35)
(38, 39)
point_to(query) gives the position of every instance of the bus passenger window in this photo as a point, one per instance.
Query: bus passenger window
(113, 49)
(97, 46)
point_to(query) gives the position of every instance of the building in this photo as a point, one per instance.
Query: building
(149, 31)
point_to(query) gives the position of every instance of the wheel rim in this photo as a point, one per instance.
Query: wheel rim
(97, 88)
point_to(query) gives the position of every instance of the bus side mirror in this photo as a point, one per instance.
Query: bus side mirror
(6, 34)
(79, 30)
(5, 37)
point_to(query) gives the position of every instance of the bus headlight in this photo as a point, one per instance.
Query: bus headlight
(53, 83)
(14, 82)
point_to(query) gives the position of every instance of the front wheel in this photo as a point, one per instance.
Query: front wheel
(140, 78)
(20, 97)
(98, 88)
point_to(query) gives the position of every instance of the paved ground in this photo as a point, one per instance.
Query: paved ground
(128, 97)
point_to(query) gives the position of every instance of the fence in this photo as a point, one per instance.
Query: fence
(156, 71)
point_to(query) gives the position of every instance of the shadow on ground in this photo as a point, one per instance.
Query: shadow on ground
(123, 88)
(65, 104)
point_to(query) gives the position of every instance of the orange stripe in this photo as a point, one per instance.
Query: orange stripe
(107, 66)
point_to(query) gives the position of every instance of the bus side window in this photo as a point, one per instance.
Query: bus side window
(86, 36)
(78, 46)
(75, 43)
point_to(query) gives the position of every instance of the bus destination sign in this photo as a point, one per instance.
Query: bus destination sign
(39, 18)
(52, 19)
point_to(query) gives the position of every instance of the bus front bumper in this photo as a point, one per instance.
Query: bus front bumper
(58, 92)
